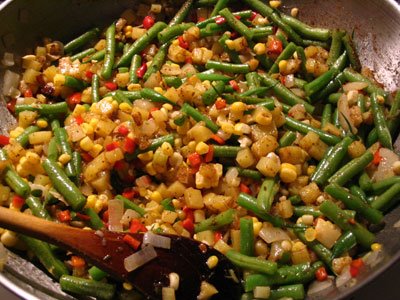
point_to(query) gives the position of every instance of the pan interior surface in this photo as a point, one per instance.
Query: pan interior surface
(376, 26)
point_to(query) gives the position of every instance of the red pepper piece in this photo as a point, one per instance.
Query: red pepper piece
(220, 20)
(148, 22)
(74, 99)
(82, 216)
(129, 145)
(11, 105)
(377, 158)
(210, 154)
(321, 274)
(244, 188)
(79, 120)
(28, 93)
(189, 60)
(64, 216)
(137, 226)
(220, 103)
(195, 160)
(112, 146)
(86, 157)
(274, 46)
(253, 15)
(188, 212)
(234, 85)
(77, 262)
(188, 225)
(131, 241)
(123, 130)
(129, 194)
(182, 43)
(18, 201)
(141, 70)
(89, 74)
(218, 139)
(4, 140)
(217, 236)
(112, 86)
(354, 271)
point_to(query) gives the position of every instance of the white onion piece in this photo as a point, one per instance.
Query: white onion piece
(58, 196)
(397, 224)
(321, 288)
(159, 241)
(153, 81)
(344, 280)
(186, 70)
(373, 258)
(116, 211)
(10, 82)
(357, 86)
(385, 167)
(8, 59)
(232, 177)
(289, 81)
(129, 215)
(344, 115)
(139, 258)
(272, 234)
(3, 256)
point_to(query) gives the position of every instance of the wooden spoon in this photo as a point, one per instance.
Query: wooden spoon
(107, 251)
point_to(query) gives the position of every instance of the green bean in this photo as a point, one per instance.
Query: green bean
(216, 221)
(37, 207)
(282, 37)
(135, 65)
(228, 67)
(236, 24)
(52, 150)
(380, 124)
(260, 33)
(198, 116)
(109, 56)
(326, 115)
(171, 32)
(358, 192)
(323, 253)
(353, 76)
(337, 216)
(156, 143)
(266, 195)
(287, 139)
(306, 210)
(43, 109)
(285, 94)
(99, 55)
(253, 80)
(345, 243)
(305, 30)
(355, 203)
(351, 169)
(213, 77)
(351, 52)
(96, 273)
(74, 83)
(382, 185)
(273, 15)
(209, 96)
(295, 274)
(128, 204)
(285, 54)
(76, 161)
(154, 96)
(95, 88)
(294, 292)
(250, 203)
(173, 81)
(83, 54)
(94, 221)
(252, 263)
(218, 6)
(23, 138)
(233, 55)
(64, 185)
(181, 13)
(246, 236)
(382, 200)
(365, 182)
(295, 199)
(226, 151)
(301, 127)
(330, 88)
(140, 44)
(255, 91)
(336, 46)
(213, 29)
(62, 139)
(320, 82)
(253, 174)
(81, 40)
(157, 62)
(245, 14)
(202, 3)
(334, 98)
(87, 287)
(13, 180)
(303, 69)
(167, 204)
(268, 103)
(131, 95)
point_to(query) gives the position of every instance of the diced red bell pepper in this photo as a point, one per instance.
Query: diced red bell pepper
(129, 145)
(4, 140)
(112, 146)
(86, 157)
(129, 194)
(274, 46)
(217, 236)
(123, 130)
(137, 226)
(377, 157)
(189, 60)
(188, 225)
(28, 93)
(11, 105)
(200, 19)
(79, 120)
(64, 216)
(194, 160)
(244, 188)
(282, 79)
(220, 20)
(357, 263)
(210, 154)
(253, 15)
(218, 139)
(182, 43)
(220, 103)
(234, 85)
(82, 216)
(74, 99)
(321, 274)
(89, 74)
(77, 262)
(148, 22)
(131, 241)
(354, 271)
(141, 70)
(112, 86)
(18, 201)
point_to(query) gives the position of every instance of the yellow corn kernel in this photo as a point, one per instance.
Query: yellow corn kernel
(78, 110)
(275, 3)
(91, 201)
(167, 149)
(59, 79)
(86, 144)
(41, 123)
(297, 246)
(311, 169)
(310, 234)
(230, 44)
(396, 167)
(228, 127)
(32, 157)
(125, 107)
(294, 12)
(87, 128)
(156, 196)
(159, 90)
(212, 261)
(128, 28)
(127, 286)
(150, 169)
(288, 173)
(257, 227)
(93, 122)
(167, 106)
(16, 132)
(380, 99)
(260, 48)
(95, 151)
(282, 65)
(376, 247)
(202, 148)
(134, 87)
(9, 238)
(98, 206)
(147, 156)
(241, 128)
(192, 146)
(64, 158)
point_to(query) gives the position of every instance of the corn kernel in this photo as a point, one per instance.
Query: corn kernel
(64, 158)
(93, 122)
(310, 234)
(9, 238)
(96, 150)
(147, 156)
(228, 127)
(127, 286)
(41, 123)
(381, 99)
(91, 201)
(202, 148)
(98, 206)
(212, 261)
(159, 90)
(275, 3)
(167, 106)
(156, 196)
(59, 79)
(16, 132)
(260, 49)
(86, 144)
(376, 247)
(134, 87)
(78, 110)
(307, 219)
(230, 44)
(125, 107)
(87, 128)
(257, 227)
(311, 169)
(150, 169)
(282, 65)
(294, 12)
(241, 128)
(192, 146)
(396, 167)
(288, 173)
(167, 149)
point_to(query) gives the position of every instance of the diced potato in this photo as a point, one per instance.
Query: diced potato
(97, 165)
(217, 203)
(102, 182)
(327, 233)
(114, 155)
(30, 76)
(285, 209)
(199, 133)
(309, 193)
(265, 145)
(26, 118)
(206, 237)
(193, 198)
(40, 137)
(4, 194)
(104, 127)
(245, 158)
(293, 155)
(176, 189)
(269, 165)
(169, 216)
(300, 253)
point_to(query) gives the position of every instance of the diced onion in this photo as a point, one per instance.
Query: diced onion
(232, 177)
(3, 256)
(354, 86)
(321, 288)
(344, 115)
(128, 216)
(385, 167)
(289, 81)
(272, 234)
(58, 196)
(8, 59)
(373, 258)
(159, 241)
(138, 259)
(344, 280)
(10, 82)
(116, 211)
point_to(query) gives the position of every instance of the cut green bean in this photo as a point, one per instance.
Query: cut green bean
(226, 151)
(294, 292)
(97, 274)
(198, 116)
(216, 89)
(228, 67)
(253, 174)
(81, 55)
(266, 195)
(236, 24)
(345, 243)
(109, 56)
(131, 205)
(95, 88)
(81, 40)
(154, 96)
(181, 13)
(351, 52)
(285, 54)
(252, 263)
(336, 46)
(245, 14)
(382, 200)
(23, 138)
(365, 182)
(52, 150)
(326, 115)
(44, 109)
(65, 147)
(305, 30)
(37, 207)
(94, 221)
(171, 32)
(287, 139)
(74, 83)
(213, 77)
(216, 221)
(380, 123)
(157, 62)
(135, 65)
(220, 4)
(233, 55)
(306, 210)
(173, 81)
(87, 287)
(353, 76)
(246, 236)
